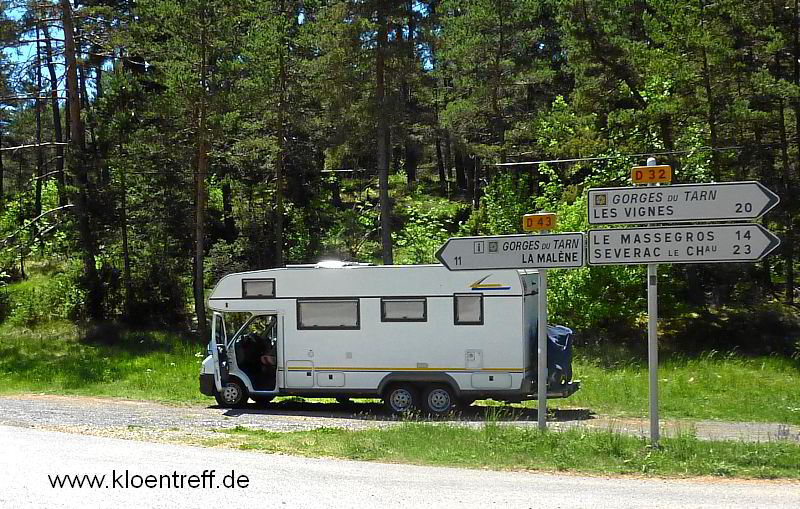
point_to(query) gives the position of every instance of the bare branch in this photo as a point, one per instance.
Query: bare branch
(28, 98)
(47, 144)
(35, 219)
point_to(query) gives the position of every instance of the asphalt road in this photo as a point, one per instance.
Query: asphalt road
(29, 456)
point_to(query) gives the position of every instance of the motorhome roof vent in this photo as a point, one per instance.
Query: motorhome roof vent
(338, 264)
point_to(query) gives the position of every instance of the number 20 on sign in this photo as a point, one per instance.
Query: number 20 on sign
(537, 222)
(661, 174)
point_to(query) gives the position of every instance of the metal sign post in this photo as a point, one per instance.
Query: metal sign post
(541, 362)
(652, 348)
(652, 334)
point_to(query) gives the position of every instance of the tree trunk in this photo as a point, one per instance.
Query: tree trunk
(2, 169)
(788, 249)
(383, 134)
(227, 211)
(665, 123)
(460, 162)
(410, 156)
(440, 165)
(448, 155)
(476, 186)
(498, 123)
(94, 302)
(200, 197)
(469, 165)
(20, 220)
(37, 202)
(712, 119)
(126, 260)
(62, 194)
(279, 167)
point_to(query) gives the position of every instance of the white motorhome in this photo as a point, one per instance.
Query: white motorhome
(417, 336)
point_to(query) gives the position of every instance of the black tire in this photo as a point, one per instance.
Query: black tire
(262, 400)
(401, 399)
(233, 395)
(438, 399)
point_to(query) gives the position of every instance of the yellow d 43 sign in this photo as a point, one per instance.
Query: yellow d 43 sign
(652, 174)
(536, 222)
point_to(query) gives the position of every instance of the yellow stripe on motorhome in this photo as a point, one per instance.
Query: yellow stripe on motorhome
(349, 368)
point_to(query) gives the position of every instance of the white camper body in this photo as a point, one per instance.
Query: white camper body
(339, 330)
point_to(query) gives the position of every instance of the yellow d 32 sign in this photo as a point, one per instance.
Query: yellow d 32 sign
(537, 222)
(652, 174)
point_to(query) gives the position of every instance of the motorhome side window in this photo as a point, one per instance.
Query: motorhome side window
(258, 288)
(328, 314)
(468, 309)
(411, 309)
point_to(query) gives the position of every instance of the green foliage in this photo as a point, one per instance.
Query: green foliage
(46, 298)
(265, 87)
(427, 224)
(224, 258)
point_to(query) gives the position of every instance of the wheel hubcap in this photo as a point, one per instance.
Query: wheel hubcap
(439, 400)
(401, 400)
(231, 393)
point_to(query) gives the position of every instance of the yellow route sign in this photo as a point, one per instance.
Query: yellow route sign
(652, 174)
(537, 222)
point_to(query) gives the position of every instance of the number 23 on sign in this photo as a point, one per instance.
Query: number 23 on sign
(537, 222)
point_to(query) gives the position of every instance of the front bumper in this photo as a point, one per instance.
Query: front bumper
(207, 384)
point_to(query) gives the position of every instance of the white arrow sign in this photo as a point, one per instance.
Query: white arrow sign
(681, 244)
(548, 251)
(683, 202)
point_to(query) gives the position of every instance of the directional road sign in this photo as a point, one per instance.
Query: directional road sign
(682, 202)
(546, 251)
(681, 244)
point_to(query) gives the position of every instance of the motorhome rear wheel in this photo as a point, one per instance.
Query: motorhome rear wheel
(438, 399)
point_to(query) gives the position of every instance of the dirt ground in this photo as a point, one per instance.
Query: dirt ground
(197, 423)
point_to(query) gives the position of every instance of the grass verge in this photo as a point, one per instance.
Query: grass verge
(497, 446)
(709, 386)
(164, 366)
(157, 366)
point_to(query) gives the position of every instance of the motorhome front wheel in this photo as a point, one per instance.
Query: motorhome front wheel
(233, 394)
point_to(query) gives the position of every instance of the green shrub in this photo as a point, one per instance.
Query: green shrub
(56, 297)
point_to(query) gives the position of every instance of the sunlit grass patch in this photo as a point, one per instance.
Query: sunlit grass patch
(501, 446)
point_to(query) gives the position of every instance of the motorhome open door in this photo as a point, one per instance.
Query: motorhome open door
(219, 352)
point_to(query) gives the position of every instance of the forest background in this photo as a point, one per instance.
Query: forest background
(148, 147)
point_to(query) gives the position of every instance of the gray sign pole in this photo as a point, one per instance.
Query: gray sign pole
(652, 339)
(541, 362)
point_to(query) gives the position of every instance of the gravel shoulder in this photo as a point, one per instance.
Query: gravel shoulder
(144, 420)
